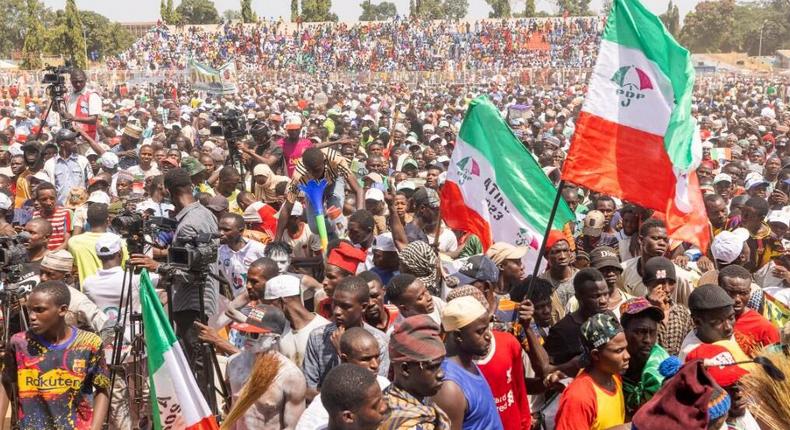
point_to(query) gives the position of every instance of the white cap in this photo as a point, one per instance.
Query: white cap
(5, 202)
(297, 209)
(384, 242)
(293, 122)
(99, 197)
(374, 194)
(412, 140)
(252, 214)
(722, 177)
(108, 244)
(434, 137)
(728, 245)
(41, 176)
(406, 185)
(781, 216)
(753, 180)
(427, 127)
(282, 286)
(90, 152)
(444, 124)
(109, 160)
(442, 159)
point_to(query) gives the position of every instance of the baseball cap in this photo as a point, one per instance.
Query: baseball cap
(728, 245)
(426, 196)
(477, 268)
(639, 306)
(385, 243)
(293, 122)
(779, 216)
(192, 165)
(501, 251)
(282, 286)
(374, 194)
(755, 180)
(460, 312)
(594, 223)
(108, 244)
(604, 256)
(109, 160)
(251, 214)
(65, 134)
(405, 185)
(719, 363)
(599, 329)
(99, 196)
(658, 268)
(5, 202)
(217, 203)
(375, 177)
(297, 209)
(722, 177)
(263, 319)
(707, 297)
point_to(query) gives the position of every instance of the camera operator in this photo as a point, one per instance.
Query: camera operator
(84, 106)
(193, 219)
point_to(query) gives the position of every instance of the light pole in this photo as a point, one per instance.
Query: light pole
(760, 46)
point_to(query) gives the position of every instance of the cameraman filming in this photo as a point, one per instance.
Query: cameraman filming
(83, 106)
(193, 219)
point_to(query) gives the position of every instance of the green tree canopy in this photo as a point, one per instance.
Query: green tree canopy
(35, 38)
(671, 19)
(378, 12)
(317, 11)
(440, 9)
(499, 8)
(196, 12)
(247, 14)
(574, 7)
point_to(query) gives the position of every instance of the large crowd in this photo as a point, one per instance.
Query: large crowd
(396, 45)
(397, 321)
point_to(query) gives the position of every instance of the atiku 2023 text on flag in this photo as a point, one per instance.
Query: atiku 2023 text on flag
(635, 137)
(176, 400)
(495, 188)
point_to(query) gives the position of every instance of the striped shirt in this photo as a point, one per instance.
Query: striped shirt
(61, 224)
(335, 166)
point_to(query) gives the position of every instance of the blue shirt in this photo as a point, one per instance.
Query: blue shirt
(68, 174)
(481, 412)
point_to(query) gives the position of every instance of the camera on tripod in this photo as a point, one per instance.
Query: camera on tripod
(231, 125)
(13, 254)
(133, 227)
(55, 78)
(195, 256)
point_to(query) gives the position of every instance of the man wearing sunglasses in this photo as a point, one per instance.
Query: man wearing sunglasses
(284, 400)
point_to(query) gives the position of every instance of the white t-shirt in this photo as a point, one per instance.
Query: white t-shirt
(104, 289)
(304, 242)
(233, 265)
(447, 240)
(315, 416)
(293, 343)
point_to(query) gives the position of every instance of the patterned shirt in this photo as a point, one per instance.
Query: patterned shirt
(407, 412)
(335, 166)
(54, 382)
(672, 332)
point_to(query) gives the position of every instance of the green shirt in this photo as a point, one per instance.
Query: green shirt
(639, 392)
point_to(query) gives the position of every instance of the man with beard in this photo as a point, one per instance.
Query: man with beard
(465, 395)
(654, 242)
(417, 354)
(716, 208)
(283, 401)
(752, 330)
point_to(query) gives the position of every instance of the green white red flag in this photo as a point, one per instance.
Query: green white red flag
(635, 137)
(495, 188)
(176, 400)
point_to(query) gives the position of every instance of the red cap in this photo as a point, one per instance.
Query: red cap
(554, 237)
(718, 363)
(346, 257)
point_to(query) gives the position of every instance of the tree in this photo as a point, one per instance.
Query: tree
(440, 9)
(317, 11)
(412, 9)
(247, 14)
(499, 8)
(104, 38)
(378, 12)
(671, 18)
(34, 38)
(456, 9)
(294, 10)
(529, 8)
(231, 15)
(702, 29)
(574, 7)
(196, 12)
(68, 37)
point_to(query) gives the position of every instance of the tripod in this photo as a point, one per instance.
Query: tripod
(9, 299)
(57, 103)
(137, 345)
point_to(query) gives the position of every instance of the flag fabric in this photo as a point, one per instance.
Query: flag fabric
(495, 188)
(635, 137)
(176, 400)
(775, 311)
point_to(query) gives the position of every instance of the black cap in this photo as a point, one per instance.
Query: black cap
(709, 296)
(478, 268)
(658, 268)
(65, 134)
(604, 256)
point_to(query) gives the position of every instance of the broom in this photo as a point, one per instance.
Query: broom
(266, 368)
(770, 396)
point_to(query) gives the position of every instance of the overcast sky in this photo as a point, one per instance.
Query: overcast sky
(347, 10)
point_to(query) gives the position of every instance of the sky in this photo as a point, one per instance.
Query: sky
(347, 10)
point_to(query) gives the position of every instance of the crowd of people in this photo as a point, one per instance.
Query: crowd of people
(396, 321)
(396, 45)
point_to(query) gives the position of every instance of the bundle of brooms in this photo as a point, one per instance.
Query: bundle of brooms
(265, 370)
(770, 396)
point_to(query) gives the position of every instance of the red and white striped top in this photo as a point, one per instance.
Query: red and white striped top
(61, 224)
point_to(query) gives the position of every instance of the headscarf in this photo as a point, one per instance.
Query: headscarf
(266, 192)
(419, 259)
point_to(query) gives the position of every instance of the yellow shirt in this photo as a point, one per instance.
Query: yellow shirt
(585, 405)
(83, 248)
